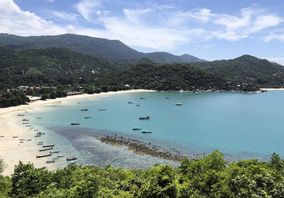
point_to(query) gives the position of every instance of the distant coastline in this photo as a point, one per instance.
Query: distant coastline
(272, 89)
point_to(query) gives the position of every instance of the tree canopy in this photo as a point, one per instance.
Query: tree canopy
(210, 176)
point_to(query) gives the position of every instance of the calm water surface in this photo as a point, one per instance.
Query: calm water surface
(240, 125)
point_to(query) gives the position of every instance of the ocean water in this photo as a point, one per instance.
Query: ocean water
(241, 125)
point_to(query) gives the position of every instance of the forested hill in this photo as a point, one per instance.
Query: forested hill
(246, 69)
(47, 66)
(166, 77)
(112, 50)
(59, 66)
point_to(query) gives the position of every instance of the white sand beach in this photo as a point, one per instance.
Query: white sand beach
(12, 131)
(272, 89)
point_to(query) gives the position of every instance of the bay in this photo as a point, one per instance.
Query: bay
(241, 125)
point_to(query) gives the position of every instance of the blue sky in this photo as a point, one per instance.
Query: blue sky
(209, 29)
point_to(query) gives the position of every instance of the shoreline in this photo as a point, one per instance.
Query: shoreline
(17, 142)
(272, 89)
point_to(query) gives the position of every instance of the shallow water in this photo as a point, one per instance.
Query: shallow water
(241, 125)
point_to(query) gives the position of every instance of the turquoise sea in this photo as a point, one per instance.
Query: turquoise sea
(241, 125)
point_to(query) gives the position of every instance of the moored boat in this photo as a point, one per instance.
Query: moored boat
(136, 129)
(45, 149)
(144, 118)
(178, 104)
(48, 145)
(74, 123)
(50, 161)
(46, 155)
(71, 158)
(146, 131)
(59, 156)
(51, 152)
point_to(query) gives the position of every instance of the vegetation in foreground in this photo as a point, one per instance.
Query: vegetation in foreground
(210, 176)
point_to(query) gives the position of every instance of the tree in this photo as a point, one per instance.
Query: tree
(276, 162)
(28, 181)
(1, 165)
(159, 182)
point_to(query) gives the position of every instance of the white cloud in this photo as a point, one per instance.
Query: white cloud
(149, 27)
(267, 21)
(181, 18)
(14, 20)
(162, 38)
(250, 21)
(136, 16)
(203, 14)
(88, 7)
(279, 60)
(274, 36)
(65, 15)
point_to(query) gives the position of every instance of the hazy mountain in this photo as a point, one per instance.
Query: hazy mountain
(246, 68)
(111, 50)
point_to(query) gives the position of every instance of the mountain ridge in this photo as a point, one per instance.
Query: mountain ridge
(114, 51)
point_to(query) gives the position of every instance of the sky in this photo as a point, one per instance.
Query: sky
(208, 29)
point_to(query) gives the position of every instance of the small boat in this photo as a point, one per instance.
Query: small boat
(71, 158)
(2, 136)
(167, 97)
(28, 140)
(178, 104)
(84, 109)
(46, 155)
(21, 115)
(25, 120)
(59, 156)
(21, 142)
(48, 146)
(39, 134)
(15, 136)
(130, 102)
(102, 109)
(136, 129)
(144, 118)
(88, 117)
(142, 98)
(52, 152)
(45, 149)
(144, 132)
(138, 105)
(50, 161)
(74, 123)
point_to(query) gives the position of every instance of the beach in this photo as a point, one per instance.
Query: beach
(272, 89)
(17, 142)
